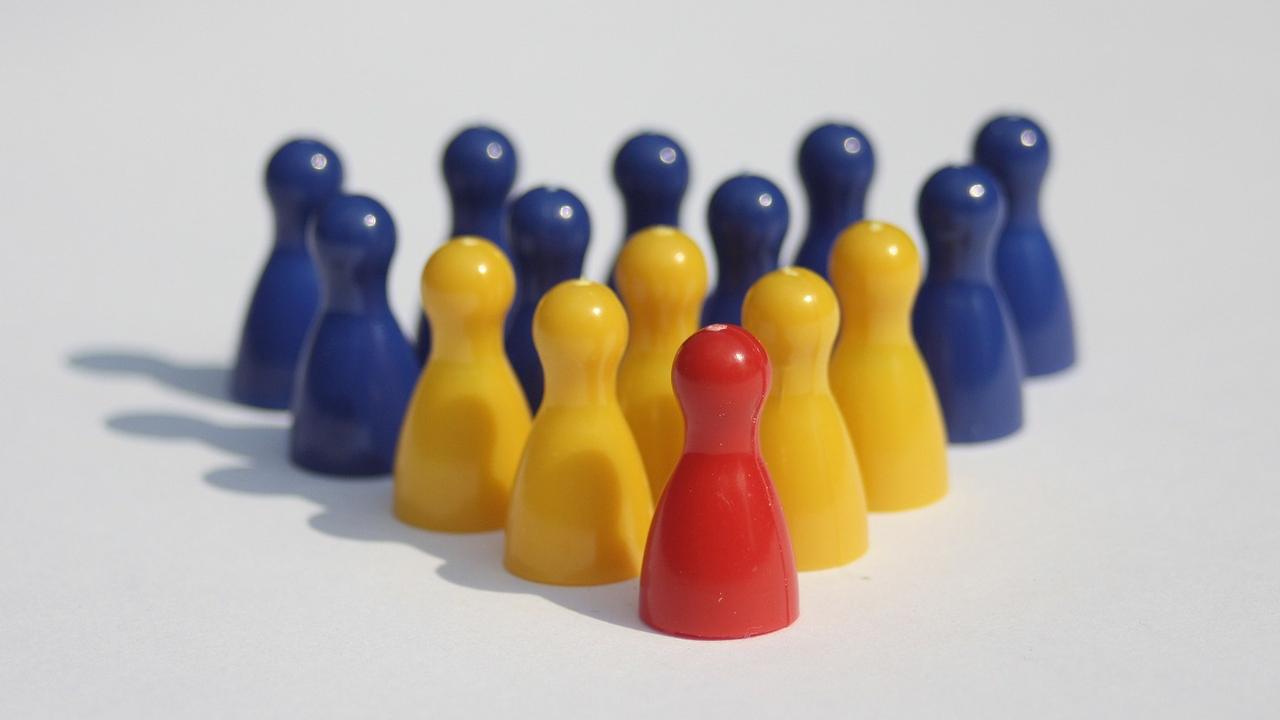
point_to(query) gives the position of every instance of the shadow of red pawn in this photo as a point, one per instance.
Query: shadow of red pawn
(718, 562)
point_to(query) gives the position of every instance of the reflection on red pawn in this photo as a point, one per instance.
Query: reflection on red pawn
(718, 563)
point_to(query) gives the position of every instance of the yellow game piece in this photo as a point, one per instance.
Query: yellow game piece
(877, 374)
(662, 278)
(467, 422)
(793, 313)
(580, 508)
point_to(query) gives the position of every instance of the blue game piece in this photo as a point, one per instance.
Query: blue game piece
(479, 168)
(1016, 151)
(652, 173)
(300, 177)
(748, 218)
(836, 164)
(960, 319)
(357, 370)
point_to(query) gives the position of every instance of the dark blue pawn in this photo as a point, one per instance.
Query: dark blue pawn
(652, 173)
(357, 369)
(479, 168)
(300, 177)
(836, 165)
(1016, 151)
(960, 319)
(748, 218)
(550, 229)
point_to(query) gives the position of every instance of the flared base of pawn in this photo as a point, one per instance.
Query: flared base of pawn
(573, 577)
(477, 522)
(914, 498)
(705, 626)
(828, 559)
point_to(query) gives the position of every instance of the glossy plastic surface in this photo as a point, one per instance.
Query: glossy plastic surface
(301, 176)
(718, 563)
(580, 506)
(793, 313)
(748, 219)
(961, 321)
(1016, 151)
(877, 374)
(357, 370)
(550, 229)
(662, 278)
(651, 172)
(836, 164)
(467, 423)
(479, 168)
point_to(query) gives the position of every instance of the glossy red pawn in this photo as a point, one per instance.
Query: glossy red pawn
(718, 563)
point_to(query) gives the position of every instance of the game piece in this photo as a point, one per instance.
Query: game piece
(662, 278)
(877, 375)
(300, 177)
(356, 371)
(794, 315)
(748, 219)
(479, 167)
(1016, 151)
(468, 420)
(550, 229)
(718, 562)
(580, 506)
(652, 173)
(836, 164)
(960, 318)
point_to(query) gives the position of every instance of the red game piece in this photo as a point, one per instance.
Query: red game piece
(718, 563)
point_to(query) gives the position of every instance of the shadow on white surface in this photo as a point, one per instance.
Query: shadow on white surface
(206, 381)
(360, 510)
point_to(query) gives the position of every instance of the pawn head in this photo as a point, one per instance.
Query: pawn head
(836, 163)
(354, 234)
(960, 205)
(549, 227)
(873, 263)
(793, 312)
(662, 269)
(652, 167)
(747, 214)
(579, 327)
(1015, 149)
(721, 376)
(479, 164)
(467, 281)
(303, 174)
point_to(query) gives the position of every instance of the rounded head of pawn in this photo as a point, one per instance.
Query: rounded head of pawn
(960, 206)
(303, 173)
(746, 213)
(579, 327)
(874, 261)
(651, 166)
(1014, 148)
(836, 160)
(661, 268)
(549, 226)
(794, 313)
(479, 164)
(721, 376)
(468, 280)
(356, 234)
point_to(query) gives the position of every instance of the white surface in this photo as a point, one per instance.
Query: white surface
(158, 558)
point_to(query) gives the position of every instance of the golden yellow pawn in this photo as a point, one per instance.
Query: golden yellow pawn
(662, 278)
(467, 422)
(877, 374)
(581, 507)
(794, 314)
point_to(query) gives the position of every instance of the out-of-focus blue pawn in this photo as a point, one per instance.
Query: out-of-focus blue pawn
(748, 218)
(300, 177)
(479, 168)
(652, 174)
(357, 370)
(960, 319)
(550, 229)
(836, 164)
(1016, 151)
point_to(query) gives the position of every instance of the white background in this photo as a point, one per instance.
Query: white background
(159, 558)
